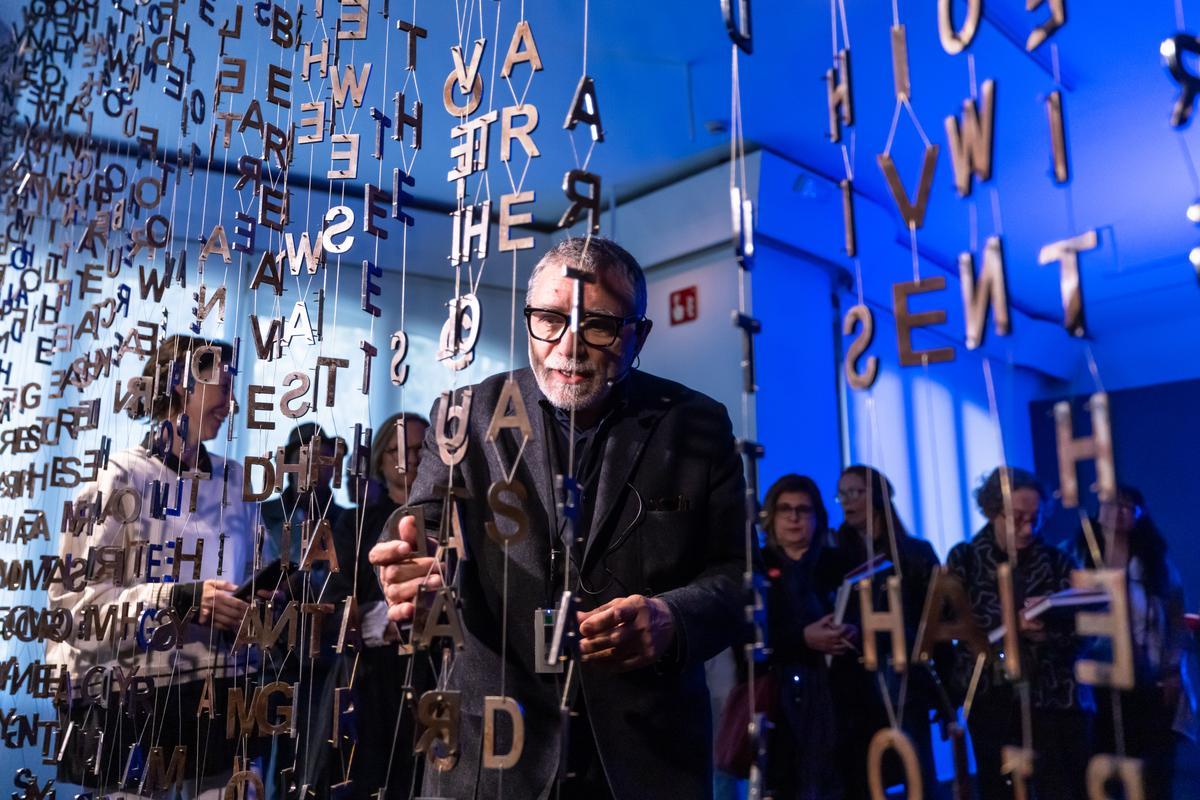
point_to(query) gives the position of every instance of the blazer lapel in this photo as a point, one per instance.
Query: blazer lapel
(623, 448)
(535, 466)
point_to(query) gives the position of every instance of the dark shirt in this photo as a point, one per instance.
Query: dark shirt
(356, 532)
(1041, 569)
(916, 562)
(795, 600)
(588, 458)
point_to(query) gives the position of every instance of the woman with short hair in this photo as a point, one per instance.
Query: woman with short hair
(1011, 500)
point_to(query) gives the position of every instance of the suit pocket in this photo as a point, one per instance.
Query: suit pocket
(671, 545)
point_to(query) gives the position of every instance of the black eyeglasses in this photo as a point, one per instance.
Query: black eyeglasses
(598, 330)
(787, 510)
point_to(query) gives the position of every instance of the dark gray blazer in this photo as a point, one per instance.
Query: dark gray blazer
(669, 521)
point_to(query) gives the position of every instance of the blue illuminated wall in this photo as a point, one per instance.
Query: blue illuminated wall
(931, 429)
(1156, 436)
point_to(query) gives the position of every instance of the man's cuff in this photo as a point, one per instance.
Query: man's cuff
(676, 654)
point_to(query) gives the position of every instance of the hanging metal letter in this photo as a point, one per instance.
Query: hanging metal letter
(1066, 252)
(585, 108)
(750, 328)
(1008, 619)
(971, 143)
(398, 369)
(431, 606)
(847, 187)
(840, 94)
(1017, 762)
(523, 133)
(468, 80)
(947, 590)
(493, 705)
(1112, 624)
(860, 380)
(581, 202)
(438, 711)
(893, 739)
(522, 34)
(890, 621)
(460, 332)
(990, 289)
(1058, 18)
(1172, 51)
(510, 397)
(1103, 768)
(1071, 451)
(739, 29)
(954, 41)
(543, 633)
(912, 213)
(243, 778)
(513, 512)
(450, 529)
(321, 548)
(900, 77)
(1058, 137)
(907, 320)
(508, 219)
(452, 446)
(742, 211)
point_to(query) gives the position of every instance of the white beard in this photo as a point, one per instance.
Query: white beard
(570, 397)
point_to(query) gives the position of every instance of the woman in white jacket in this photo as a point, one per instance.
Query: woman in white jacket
(167, 543)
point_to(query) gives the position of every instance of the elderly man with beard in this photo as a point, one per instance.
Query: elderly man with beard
(655, 560)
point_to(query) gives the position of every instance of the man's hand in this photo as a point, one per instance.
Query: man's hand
(219, 607)
(626, 633)
(826, 636)
(402, 572)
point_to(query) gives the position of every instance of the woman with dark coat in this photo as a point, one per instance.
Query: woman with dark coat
(801, 633)
(1125, 537)
(378, 675)
(873, 527)
(1060, 722)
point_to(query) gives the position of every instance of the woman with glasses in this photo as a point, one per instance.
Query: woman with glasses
(871, 528)
(1125, 537)
(801, 633)
(1011, 500)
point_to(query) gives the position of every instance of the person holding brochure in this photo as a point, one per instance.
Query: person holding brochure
(872, 543)
(1061, 722)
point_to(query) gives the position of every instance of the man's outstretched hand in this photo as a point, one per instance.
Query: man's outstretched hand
(626, 633)
(402, 572)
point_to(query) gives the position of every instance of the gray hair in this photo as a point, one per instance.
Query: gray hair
(593, 255)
